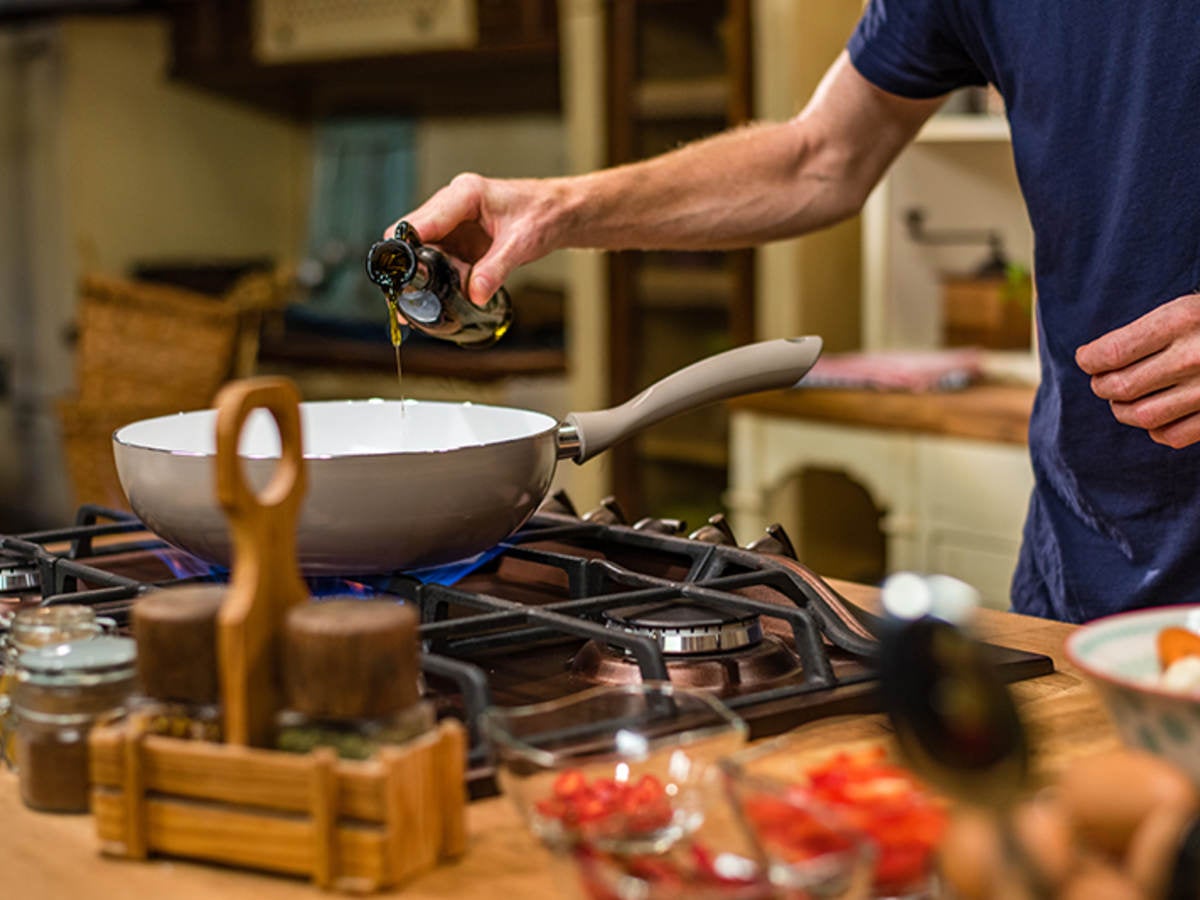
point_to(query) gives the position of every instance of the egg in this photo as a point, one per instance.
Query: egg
(1182, 676)
(1109, 795)
(969, 856)
(1100, 882)
(1150, 858)
(973, 860)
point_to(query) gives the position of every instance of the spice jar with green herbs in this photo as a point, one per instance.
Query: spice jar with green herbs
(176, 633)
(60, 692)
(350, 674)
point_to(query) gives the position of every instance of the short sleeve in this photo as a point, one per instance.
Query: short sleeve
(911, 48)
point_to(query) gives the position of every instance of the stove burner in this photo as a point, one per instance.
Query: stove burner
(726, 673)
(18, 575)
(685, 629)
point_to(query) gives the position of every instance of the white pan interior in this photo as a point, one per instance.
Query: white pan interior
(347, 428)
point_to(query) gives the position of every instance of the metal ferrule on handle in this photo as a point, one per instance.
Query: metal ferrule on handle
(766, 365)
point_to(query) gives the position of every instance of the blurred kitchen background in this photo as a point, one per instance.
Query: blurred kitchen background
(189, 189)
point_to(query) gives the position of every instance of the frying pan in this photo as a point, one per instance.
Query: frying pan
(405, 484)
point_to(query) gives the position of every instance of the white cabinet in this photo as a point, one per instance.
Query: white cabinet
(949, 505)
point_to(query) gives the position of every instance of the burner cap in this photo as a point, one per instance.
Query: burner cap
(18, 575)
(687, 628)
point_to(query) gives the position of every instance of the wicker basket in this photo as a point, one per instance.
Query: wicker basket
(143, 344)
(87, 448)
(147, 350)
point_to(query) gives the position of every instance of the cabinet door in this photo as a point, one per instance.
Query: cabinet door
(986, 563)
(974, 496)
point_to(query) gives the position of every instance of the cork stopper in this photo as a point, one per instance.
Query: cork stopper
(350, 658)
(176, 633)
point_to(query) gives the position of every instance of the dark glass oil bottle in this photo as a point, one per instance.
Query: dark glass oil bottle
(422, 285)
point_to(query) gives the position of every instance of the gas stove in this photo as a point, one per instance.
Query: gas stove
(569, 602)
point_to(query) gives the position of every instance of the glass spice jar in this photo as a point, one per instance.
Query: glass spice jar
(351, 677)
(176, 633)
(41, 626)
(60, 692)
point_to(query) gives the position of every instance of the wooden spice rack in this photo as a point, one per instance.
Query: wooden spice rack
(352, 826)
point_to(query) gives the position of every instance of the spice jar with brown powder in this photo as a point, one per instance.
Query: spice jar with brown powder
(61, 691)
(39, 626)
(176, 633)
(351, 677)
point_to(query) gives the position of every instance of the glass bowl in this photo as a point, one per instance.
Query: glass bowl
(810, 798)
(612, 770)
(717, 860)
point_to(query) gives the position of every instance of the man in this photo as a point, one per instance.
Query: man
(1103, 97)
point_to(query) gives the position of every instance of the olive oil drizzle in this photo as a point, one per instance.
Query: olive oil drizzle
(397, 335)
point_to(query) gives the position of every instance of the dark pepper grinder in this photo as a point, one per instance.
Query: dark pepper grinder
(422, 284)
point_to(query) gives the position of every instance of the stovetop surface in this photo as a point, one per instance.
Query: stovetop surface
(532, 623)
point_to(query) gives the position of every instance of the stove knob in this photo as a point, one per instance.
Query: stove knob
(775, 542)
(559, 503)
(609, 512)
(670, 527)
(717, 531)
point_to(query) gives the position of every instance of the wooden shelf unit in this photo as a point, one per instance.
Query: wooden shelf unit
(677, 71)
(960, 172)
(513, 65)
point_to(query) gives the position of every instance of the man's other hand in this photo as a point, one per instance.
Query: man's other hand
(1149, 371)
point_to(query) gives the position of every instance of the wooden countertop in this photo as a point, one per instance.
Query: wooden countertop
(54, 856)
(986, 411)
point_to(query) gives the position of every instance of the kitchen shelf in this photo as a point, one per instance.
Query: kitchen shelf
(513, 66)
(665, 98)
(677, 72)
(956, 128)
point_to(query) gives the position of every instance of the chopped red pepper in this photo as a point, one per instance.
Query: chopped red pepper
(873, 796)
(686, 871)
(637, 807)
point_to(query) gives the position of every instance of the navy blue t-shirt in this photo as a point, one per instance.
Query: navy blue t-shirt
(1103, 97)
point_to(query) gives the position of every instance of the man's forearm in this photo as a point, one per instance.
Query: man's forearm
(752, 184)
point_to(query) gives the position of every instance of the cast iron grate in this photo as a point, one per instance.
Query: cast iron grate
(581, 552)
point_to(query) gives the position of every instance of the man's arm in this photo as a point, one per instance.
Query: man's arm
(751, 184)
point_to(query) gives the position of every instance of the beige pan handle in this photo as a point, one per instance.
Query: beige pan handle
(265, 581)
(764, 366)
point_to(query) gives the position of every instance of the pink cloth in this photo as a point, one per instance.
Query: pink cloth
(897, 370)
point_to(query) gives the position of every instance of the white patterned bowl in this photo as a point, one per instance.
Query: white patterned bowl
(1119, 655)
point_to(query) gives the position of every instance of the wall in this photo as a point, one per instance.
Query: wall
(118, 164)
(809, 285)
(512, 146)
(158, 169)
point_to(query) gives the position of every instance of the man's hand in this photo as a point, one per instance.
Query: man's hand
(492, 225)
(1149, 371)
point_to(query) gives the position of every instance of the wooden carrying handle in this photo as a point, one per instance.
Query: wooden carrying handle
(265, 581)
